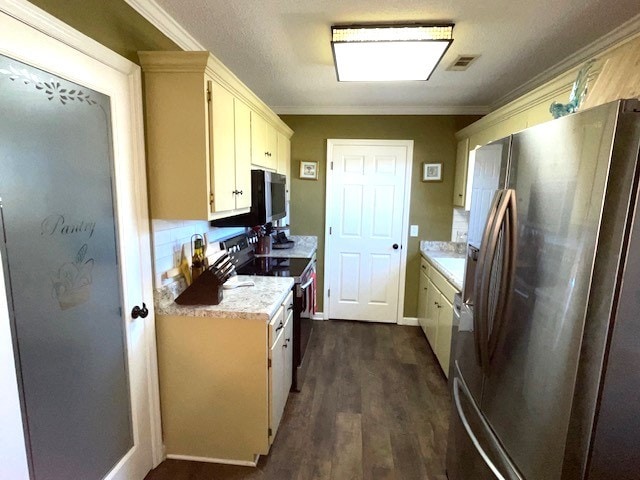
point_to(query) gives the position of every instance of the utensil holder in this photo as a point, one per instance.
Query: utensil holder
(205, 290)
(264, 245)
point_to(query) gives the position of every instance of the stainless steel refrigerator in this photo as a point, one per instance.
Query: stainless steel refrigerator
(546, 381)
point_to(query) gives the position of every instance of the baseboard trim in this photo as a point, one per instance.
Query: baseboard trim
(318, 316)
(411, 321)
(225, 461)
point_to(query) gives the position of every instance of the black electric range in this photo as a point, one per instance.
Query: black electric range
(242, 250)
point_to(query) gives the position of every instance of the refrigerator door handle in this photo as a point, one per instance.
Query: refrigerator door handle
(484, 281)
(508, 270)
(506, 469)
(457, 386)
(482, 257)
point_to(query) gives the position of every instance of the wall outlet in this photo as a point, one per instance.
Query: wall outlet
(413, 231)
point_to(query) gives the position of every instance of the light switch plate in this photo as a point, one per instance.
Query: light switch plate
(413, 231)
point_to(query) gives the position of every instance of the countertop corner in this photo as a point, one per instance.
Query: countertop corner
(448, 258)
(258, 302)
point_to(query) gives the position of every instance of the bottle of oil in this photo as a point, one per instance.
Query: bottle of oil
(197, 256)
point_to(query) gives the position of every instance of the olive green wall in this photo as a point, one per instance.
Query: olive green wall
(431, 207)
(113, 23)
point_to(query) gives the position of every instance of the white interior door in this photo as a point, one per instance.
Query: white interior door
(92, 272)
(367, 216)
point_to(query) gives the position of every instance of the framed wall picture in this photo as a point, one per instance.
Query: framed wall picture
(309, 170)
(431, 172)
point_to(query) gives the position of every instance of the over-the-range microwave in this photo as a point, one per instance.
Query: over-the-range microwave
(268, 201)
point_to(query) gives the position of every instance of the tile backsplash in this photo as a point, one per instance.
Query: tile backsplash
(460, 225)
(170, 235)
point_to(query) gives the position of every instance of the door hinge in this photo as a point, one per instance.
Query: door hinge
(208, 94)
(331, 165)
(211, 200)
(269, 363)
(270, 432)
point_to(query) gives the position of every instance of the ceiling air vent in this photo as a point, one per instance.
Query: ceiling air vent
(462, 62)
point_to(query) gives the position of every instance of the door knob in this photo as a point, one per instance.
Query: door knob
(395, 246)
(139, 312)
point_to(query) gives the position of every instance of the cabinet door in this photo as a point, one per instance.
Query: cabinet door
(287, 352)
(221, 148)
(271, 136)
(443, 339)
(431, 320)
(258, 140)
(423, 289)
(284, 160)
(277, 397)
(462, 166)
(243, 154)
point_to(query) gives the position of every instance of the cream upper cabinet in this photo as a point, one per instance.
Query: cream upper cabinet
(284, 160)
(200, 134)
(462, 172)
(264, 143)
(242, 118)
(230, 137)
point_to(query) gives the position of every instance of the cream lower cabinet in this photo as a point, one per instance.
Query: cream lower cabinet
(224, 383)
(280, 373)
(435, 312)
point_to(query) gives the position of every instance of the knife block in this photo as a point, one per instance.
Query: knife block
(205, 290)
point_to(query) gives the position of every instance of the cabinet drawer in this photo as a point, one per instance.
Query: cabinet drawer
(276, 326)
(447, 290)
(288, 304)
(277, 323)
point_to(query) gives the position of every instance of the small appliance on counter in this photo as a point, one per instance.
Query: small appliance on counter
(280, 241)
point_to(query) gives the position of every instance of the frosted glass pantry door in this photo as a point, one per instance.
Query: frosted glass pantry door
(62, 272)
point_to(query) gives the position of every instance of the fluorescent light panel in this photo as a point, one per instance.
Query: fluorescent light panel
(389, 53)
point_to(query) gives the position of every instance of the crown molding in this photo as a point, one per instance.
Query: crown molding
(625, 32)
(46, 23)
(382, 110)
(164, 22)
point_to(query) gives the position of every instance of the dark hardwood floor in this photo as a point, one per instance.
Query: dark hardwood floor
(374, 405)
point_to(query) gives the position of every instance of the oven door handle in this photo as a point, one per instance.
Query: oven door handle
(306, 285)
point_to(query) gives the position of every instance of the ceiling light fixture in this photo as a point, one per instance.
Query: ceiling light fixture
(379, 53)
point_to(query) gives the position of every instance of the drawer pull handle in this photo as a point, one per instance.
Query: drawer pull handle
(280, 327)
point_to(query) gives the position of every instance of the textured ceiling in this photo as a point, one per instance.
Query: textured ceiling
(281, 48)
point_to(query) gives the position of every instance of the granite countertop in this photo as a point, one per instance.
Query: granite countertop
(304, 247)
(448, 258)
(259, 302)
